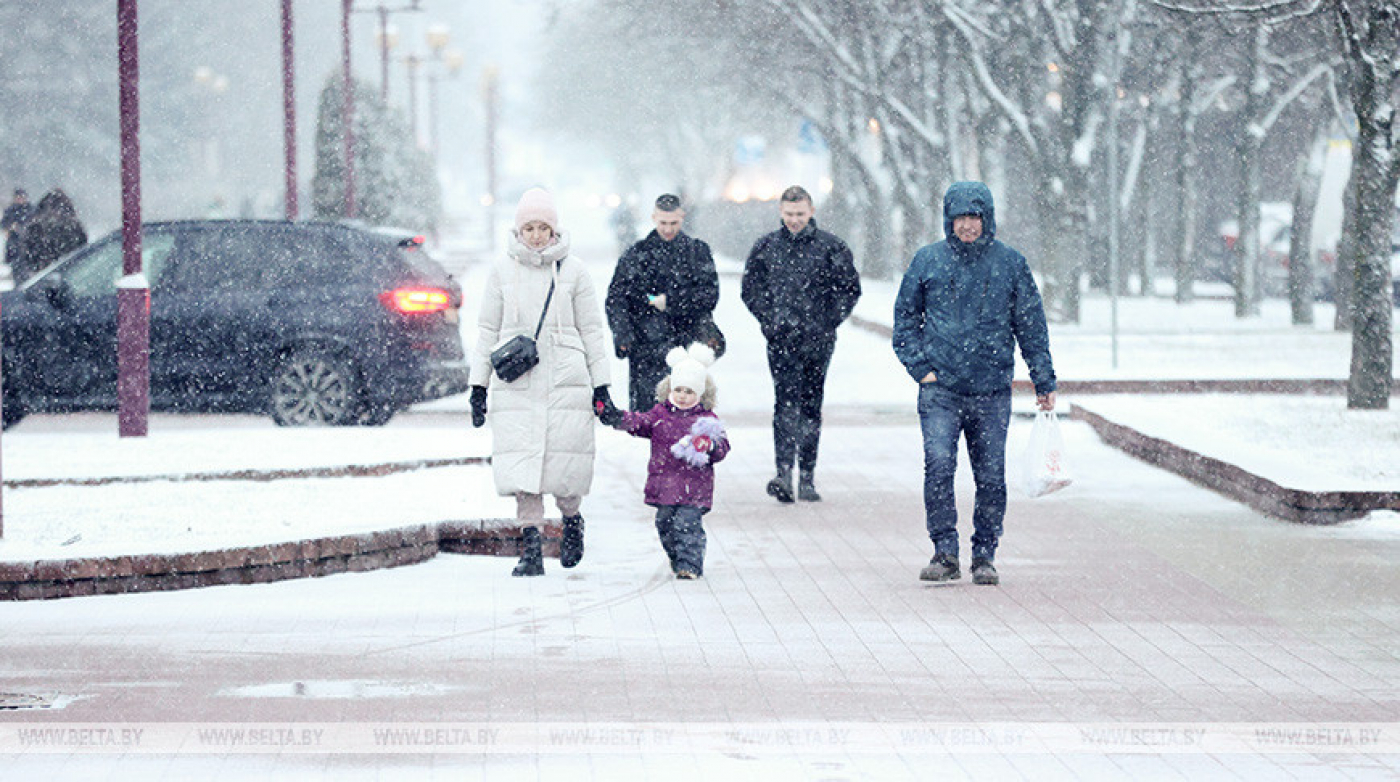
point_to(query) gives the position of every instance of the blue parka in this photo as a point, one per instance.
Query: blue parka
(961, 306)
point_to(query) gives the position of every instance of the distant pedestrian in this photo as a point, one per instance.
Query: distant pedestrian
(963, 305)
(542, 422)
(801, 283)
(662, 295)
(17, 214)
(52, 231)
(687, 439)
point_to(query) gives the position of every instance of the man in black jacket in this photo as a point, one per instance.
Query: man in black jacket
(663, 293)
(800, 282)
(12, 223)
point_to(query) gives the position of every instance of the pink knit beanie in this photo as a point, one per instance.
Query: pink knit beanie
(537, 204)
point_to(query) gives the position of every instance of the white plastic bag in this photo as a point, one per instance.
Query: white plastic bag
(1043, 466)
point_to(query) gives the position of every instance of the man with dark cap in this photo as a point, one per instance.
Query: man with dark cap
(16, 215)
(662, 295)
(800, 283)
(963, 305)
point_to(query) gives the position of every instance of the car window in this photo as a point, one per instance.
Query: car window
(306, 257)
(96, 273)
(219, 260)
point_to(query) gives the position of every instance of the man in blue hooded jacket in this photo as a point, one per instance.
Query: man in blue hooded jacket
(963, 305)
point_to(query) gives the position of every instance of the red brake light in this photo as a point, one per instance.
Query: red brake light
(416, 300)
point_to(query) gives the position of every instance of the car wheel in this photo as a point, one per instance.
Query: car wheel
(312, 388)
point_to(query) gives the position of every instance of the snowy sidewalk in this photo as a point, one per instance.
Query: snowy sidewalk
(1144, 628)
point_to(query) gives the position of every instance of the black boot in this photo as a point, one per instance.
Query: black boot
(531, 558)
(807, 488)
(571, 542)
(780, 488)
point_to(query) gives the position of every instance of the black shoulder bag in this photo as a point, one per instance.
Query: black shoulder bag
(520, 354)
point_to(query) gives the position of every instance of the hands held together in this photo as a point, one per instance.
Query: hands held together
(604, 408)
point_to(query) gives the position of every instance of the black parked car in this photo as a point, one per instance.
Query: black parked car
(314, 323)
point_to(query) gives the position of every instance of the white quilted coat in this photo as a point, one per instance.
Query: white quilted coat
(542, 424)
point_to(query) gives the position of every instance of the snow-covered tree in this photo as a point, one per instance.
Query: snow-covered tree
(394, 180)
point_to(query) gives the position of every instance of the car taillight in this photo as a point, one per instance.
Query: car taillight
(416, 300)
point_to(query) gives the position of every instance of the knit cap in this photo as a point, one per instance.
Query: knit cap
(689, 366)
(537, 204)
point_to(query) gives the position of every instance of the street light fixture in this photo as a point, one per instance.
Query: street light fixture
(441, 59)
(386, 38)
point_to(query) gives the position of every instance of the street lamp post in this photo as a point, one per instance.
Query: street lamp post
(386, 37)
(133, 293)
(347, 113)
(489, 92)
(453, 60)
(289, 113)
(411, 63)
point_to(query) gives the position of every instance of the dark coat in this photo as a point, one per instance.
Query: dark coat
(670, 480)
(801, 285)
(684, 270)
(962, 307)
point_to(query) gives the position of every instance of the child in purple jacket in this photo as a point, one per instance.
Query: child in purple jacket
(687, 438)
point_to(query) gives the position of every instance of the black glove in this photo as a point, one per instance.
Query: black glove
(605, 409)
(478, 406)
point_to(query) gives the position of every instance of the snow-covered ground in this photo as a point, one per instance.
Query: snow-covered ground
(1311, 443)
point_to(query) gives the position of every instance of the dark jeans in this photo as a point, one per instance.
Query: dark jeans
(646, 365)
(983, 418)
(682, 536)
(798, 366)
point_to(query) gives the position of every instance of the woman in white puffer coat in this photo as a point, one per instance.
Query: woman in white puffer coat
(543, 421)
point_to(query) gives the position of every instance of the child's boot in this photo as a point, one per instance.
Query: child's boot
(531, 557)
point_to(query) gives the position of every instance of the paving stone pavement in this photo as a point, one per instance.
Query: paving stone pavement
(1134, 601)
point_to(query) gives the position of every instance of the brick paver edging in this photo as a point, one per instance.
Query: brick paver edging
(1265, 496)
(57, 578)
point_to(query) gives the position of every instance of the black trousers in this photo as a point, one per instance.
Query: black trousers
(798, 366)
(646, 365)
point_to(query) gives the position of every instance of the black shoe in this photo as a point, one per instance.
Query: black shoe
(807, 490)
(943, 567)
(780, 488)
(686, 575)
(571, 542)
(984, 573)
(531, 557)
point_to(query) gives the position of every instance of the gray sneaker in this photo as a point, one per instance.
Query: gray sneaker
(943, 567)
(984, 573)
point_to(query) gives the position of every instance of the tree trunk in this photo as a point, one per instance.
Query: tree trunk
(1344, 274)
(1248, 152)
(1186, 194)
(1371, 351)
(1301, 264)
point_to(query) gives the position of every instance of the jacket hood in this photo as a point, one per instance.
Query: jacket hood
(552, 253)
(969, 198)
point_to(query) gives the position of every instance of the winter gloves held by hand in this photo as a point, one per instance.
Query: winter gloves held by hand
(605, 409)
(478, 406)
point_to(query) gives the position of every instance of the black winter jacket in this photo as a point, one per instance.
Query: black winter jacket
(684, 270)
(805, 283)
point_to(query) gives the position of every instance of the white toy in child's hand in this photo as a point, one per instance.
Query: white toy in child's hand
(694, 448)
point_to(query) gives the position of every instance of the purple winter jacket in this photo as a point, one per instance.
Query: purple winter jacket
(670, 480)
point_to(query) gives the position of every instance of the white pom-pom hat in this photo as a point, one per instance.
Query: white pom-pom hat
(689, 366)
